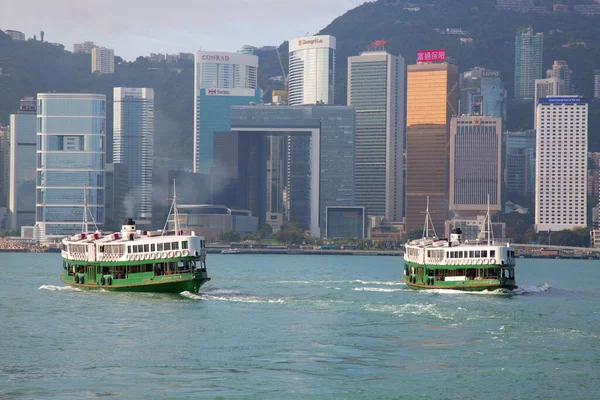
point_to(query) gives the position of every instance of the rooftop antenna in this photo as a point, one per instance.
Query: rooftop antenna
(427, 222)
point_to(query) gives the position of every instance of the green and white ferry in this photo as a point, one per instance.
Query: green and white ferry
(135, 261)
(470, 265)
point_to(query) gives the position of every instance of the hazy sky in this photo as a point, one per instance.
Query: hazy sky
(138, 27)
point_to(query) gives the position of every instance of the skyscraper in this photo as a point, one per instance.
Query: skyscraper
(376, 87)
(546, 87)
(221, 80)
(103, 60)
(431, 101)
(561, 164)
(71, 134)
(4, 166)
(482, 92)
(528, 62)
(520, 162)
(133, 147)
(22, 170)
(597, 84)
(83, 48)
(475, 165)
(311, 76)
(561, 70)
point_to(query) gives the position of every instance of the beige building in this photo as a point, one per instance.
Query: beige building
(103, 60)
(431, 101)
(475, 165)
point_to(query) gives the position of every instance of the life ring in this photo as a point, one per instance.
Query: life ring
(76, 278)
(164, 254)
(479, 261)
(102, 281)
(170, 254)
(185, 253)
(486, 261)
(109, 281)
(178, 253)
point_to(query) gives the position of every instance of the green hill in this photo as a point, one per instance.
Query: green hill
(32, 67)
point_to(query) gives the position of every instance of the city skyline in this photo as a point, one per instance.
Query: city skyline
(209, 25)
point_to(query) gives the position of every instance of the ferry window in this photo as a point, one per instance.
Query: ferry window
(184, 244)
(477, 254)
(146, 248)
(129, 249)
(159, 247)
(175, 246)
(492, 253)
(152, 247)
(101, 249)
(428, 253)
(135, 248)
(460, 254)
(167, 246)
(471, 254)
(484, 253)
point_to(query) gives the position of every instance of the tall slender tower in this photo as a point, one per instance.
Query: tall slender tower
(71, 135)
(528, 62)
(561, 163)
(376, 87)
(133, 149)
(561, 70)
(311, 80)
(431, 101)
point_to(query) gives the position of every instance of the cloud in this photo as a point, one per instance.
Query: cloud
(138, 27)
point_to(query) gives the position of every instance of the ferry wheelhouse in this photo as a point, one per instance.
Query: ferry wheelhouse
(135, 260)
(473, 265)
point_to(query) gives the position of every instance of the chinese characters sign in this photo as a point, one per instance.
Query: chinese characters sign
(425, 56)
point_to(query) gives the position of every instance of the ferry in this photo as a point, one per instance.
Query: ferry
(469, 265)
(230, 251)
(133, 260)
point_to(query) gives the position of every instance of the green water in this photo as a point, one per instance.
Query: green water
(300, 327)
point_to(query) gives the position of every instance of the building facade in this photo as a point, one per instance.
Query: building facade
(376, 87)
(561, 164)
(327, 179)
(482, 93)
(597, 84)
(546, 87)
(431, 101)
(519, 164)
(4, 166)
(528, 62)
(83, 48)
(311, 76)
(22, 169)
(103, 60)
(475, 165)
(346, 222)
(221, 80)
(133, 147)
(15, 35)
(71, 134)
(561, 70)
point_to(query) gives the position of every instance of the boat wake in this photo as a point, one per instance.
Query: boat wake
(376, 289)
(230, 295)
(59, 288)
(532, 289)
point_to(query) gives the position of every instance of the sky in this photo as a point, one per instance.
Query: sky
(139, 27)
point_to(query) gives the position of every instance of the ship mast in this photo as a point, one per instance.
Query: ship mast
(174, 211)
(86, 210)
(428, 221)
(488, 224)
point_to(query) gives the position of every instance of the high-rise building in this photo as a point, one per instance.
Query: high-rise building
(376, 87)
(519, 164)
(561, 70)
(4, 165)
(221, 80)
(103, 60)
(475, 165)
(327, 180)
(546, 87)
(247, 49)
(561, 165)
(528, 62)
(431, 101)
(71, 134)
(23, 139)
(83, 48)
(15, 35)
(597, 84)
(133, 146)
(482, 92)
(311, 77)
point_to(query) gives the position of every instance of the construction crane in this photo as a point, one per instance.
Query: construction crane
(281, 65)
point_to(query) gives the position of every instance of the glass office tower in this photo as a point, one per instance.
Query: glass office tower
(71, 134)
(133, 147)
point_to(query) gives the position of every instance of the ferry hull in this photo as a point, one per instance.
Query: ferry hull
(467, 286)
(160, 284)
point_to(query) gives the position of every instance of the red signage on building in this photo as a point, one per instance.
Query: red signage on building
(426, 56)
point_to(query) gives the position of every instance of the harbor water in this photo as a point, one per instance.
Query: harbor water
(301, 327)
